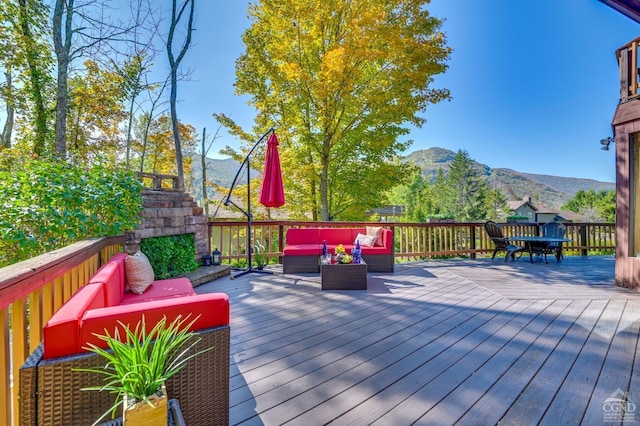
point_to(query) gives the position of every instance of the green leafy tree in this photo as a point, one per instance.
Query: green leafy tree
(467, 190)
(26, 56)
(593, 205)
(48, 205)
(340, 80)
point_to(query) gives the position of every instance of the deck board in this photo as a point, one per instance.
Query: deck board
(436, 342)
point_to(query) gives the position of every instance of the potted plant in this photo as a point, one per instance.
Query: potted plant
(138, 366)
(259, 255)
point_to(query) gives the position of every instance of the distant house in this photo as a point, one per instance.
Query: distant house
(555, 215)
(523, 207)
(387, 214)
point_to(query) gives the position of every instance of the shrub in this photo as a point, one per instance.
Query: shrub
(171, 256)
(48, 205)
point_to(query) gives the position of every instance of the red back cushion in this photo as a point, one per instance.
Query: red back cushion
(335, 236)
(61, 334)
(112, 276)
(302, 236)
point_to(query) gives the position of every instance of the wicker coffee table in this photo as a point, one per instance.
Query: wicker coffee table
(351, 276)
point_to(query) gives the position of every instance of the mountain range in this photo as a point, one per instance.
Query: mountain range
(545, 190)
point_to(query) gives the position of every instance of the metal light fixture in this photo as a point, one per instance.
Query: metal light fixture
(605, 143)
(215, 257)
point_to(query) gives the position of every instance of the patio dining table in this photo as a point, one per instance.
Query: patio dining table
(539, 244)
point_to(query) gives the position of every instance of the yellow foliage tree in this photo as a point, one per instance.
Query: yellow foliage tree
(95, 113)
(341, 80)
(160, 152)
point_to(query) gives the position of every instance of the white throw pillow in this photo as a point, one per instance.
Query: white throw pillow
(138, 272)
(365, 240)
(376, 231)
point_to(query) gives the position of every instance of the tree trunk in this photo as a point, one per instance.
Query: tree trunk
(203, 158)
(174, 63)
(8, 124)
(62, 49)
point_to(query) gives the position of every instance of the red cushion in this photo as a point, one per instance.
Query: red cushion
(302, 236)
(302, 250)
(160, 289)
(61, 334)
(111, 275)
(334, 236)
(213, 309)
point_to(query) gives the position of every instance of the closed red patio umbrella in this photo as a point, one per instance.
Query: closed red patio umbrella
(272, 192)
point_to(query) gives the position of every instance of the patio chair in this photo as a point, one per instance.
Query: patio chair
(557, 230)
(502, 244)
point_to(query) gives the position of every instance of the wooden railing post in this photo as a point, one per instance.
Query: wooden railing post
(584, 241)
(472, 242)
(280, 241)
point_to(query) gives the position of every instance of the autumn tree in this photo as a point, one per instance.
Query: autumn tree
(95, 113)
(160, 156)
(341, 80)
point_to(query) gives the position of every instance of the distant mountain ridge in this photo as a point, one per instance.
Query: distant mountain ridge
(545, 190)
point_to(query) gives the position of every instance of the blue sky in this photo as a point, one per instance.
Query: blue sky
(534, 84)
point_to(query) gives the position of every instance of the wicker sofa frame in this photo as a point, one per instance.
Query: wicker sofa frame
(311, 264)
(50, 389)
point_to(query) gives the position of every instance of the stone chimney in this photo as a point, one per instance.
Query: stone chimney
(170, 211)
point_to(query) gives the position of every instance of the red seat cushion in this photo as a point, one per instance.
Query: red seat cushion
(302, 250)
(160, 289)
(211, 308)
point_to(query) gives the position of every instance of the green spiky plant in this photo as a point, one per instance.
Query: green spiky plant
(139, 364)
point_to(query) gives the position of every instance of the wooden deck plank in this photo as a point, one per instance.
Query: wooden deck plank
(572, 399)
(532, 403)
(616, 375)
(434, 398)
(385, 390)
(402, 346)
(410, 370)
(500, 395)
(467, 396)
(354, 335)
(436, 342)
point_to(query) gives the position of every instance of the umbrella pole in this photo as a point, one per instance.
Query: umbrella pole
(248, 212)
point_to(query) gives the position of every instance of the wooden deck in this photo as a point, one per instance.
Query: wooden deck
(437, 342)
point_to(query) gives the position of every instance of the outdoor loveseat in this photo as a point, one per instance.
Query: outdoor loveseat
(304, 247)
(50, 389)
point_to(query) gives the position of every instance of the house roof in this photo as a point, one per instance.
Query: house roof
(561, 214)
(515, 205)
(629, 8)
(388, 211)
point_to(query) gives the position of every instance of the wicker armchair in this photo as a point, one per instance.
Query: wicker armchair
(501, 243)
(50, 391)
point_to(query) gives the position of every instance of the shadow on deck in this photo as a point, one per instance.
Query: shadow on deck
(436, 342)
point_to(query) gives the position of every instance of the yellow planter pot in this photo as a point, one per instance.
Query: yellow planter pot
(143, 414)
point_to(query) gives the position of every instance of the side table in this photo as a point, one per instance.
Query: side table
(350, 276)
(174, 416)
